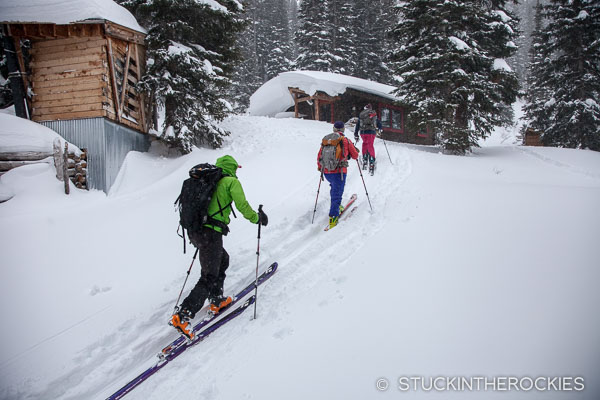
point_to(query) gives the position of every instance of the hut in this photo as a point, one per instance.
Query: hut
(330, 97)
(79, 61)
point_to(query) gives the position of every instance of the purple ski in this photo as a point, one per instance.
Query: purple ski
(209, 318)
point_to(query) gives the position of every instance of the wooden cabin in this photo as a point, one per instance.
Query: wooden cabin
(79, 80)
(310, 97)
(532, 138)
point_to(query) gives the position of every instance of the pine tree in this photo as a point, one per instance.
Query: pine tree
(449, 56)
(276, 31)
(343, 36)
(191, 53)
(368, 45)
(536, 91)
(565, 101)
(314, 36)
(266, 45)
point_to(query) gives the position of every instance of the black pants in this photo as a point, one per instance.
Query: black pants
(214, 261)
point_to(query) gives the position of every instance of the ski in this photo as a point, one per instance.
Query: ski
(349, 214)
(211, 317)
(346, 207)
(180, 349)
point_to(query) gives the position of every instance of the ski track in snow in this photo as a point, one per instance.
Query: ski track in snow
(302, 253)
(300, 248)
(310, 260)
(549, 160)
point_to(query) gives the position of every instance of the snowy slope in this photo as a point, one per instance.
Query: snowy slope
(477, 265)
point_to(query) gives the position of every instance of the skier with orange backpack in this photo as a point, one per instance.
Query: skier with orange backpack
(332, 161)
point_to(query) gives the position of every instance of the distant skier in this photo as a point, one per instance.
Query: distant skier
(367, 125)
(332, 161)
(209, 241)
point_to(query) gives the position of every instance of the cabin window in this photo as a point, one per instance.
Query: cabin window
(391, 117)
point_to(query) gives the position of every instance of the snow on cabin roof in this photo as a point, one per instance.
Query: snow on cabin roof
(274, 96)
(63, 12)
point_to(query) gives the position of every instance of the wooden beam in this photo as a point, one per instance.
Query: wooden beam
(124, 85)
(317, 110)
(140, 95)
(111, 68)
(123, 33)
(24, 75)
(24, 155)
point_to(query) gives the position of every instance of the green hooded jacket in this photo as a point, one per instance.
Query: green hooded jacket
(229, 189)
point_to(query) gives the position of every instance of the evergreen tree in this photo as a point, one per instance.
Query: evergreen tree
(564, 104)
(343, 36)
(191, 53)
(276, 31)
(450, 57)
(266, 45)
(314, 36)
(369, 41)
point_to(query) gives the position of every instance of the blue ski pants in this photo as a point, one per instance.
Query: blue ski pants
(337, 182)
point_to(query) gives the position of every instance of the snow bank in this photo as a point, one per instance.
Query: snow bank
(274, 97)
(62, 12)
(19, 135)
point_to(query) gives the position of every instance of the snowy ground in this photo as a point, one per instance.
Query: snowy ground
(484, 265)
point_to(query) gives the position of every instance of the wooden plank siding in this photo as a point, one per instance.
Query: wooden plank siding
(84, 70)
(69, 78)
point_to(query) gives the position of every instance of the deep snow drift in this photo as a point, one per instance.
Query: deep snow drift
(484, 265)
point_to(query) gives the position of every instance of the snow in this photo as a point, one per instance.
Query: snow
(484, 265)
(274, 97)
(21, 135)
(503, 16)
(501, 64)
(458, 43)
(62, 12)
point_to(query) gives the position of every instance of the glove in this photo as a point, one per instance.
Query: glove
(379, 133)
(262, 218)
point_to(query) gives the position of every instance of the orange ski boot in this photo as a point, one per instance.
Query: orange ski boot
(219, 303)
(180, 321)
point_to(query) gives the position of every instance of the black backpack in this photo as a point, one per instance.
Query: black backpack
(194, 199)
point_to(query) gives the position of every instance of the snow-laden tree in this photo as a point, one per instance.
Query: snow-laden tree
(267, 47)
(191, 53)
(314, 36)
(536, 91)
(450, 57)
(372, 25)
(343, 36)
(564, 104)
(278, 37)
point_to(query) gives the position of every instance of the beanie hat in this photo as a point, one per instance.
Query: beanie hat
(338, 126)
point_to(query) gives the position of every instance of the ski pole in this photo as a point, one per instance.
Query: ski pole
(186, 278)
(386, 149)
(363, 180)
(318, 190)
(257, 258)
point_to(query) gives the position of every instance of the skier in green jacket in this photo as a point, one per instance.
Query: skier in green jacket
(209, 241)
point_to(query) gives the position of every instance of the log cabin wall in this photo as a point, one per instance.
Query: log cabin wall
(81, 78)
(69, 78)
(82, 70)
